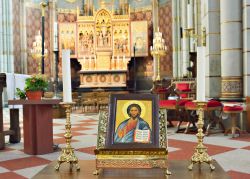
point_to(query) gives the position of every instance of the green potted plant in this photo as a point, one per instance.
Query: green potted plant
(35, 86)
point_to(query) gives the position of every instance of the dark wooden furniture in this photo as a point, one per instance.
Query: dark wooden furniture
(37, 125)
(178, 169)
(14, 131)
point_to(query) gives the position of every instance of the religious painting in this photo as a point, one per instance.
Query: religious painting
(121, 40)
(103, 30)
(133, 121)
(67, 38)
(139, 38)
(85, 33)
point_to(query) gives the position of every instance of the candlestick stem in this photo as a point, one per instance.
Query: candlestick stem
(200, 155)
(68, 154)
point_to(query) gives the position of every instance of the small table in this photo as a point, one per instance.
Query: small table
(178, 168)
(37, 125)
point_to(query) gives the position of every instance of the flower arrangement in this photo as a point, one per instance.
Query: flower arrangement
(34, 87)
(36, 83)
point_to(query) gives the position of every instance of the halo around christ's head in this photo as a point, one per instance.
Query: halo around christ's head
(125, 107)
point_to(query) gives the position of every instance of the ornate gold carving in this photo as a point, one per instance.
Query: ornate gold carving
(102, 129)
(231, 87)
(162, 126)
(151, 158)
(132, 163)
(200, 155)
(68, 154)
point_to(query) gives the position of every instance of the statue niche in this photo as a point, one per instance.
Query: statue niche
(103, 30)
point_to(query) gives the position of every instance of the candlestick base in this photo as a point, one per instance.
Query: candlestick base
(201, 155)
(68, 154)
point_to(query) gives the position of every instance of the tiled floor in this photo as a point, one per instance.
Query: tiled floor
(232, 154)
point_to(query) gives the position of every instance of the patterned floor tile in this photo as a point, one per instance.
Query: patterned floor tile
(30, 172)
(230, 153)
(23, 163)
(11, 175)
(3, 170)
(88, 150)
(236, 160)
(12, 155)
(238, 175)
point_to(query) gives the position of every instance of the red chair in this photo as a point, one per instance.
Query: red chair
(177, 106)
(209, 109)
(233, 111)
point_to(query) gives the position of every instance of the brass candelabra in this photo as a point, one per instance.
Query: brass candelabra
(68, 154)
(200, 155)
(158, 54)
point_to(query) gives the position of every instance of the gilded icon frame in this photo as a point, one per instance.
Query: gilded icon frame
(154, 126)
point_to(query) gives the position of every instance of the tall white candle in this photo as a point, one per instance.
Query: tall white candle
(190, 15)
(55, 36)
(67, 96)
(200, 91)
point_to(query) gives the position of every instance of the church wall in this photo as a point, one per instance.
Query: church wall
(16, 35)
(165, 25)
(144, 70)
(33, 20)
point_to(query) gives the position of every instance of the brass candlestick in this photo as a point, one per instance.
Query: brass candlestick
(201, 155)
(68, 154)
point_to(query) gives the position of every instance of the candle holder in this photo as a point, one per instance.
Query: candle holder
(68, 154)
(158, 50)
(200, 155)
(158, 54)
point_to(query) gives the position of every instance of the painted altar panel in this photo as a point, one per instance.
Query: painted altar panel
(139, 38)
(85, 37)
(103, 30)
(67, 38)
(121, 39)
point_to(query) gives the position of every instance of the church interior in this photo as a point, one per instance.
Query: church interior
(125, 89)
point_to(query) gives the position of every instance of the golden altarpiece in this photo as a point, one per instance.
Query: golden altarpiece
(101, 43)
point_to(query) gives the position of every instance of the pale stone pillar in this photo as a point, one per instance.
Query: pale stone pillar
(211, 21)
(231, 49)
(246, 47)
(23, 37)
(179, 52)
(197, 22)
(155, 27)
(52, 20)
(175, 21)
(185, 38)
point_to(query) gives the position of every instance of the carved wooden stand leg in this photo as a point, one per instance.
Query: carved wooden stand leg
(68, 154)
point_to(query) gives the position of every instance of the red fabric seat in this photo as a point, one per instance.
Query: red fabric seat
(211, 103)
(183, 87)
(182, 102)
(172, 103)
(190, 104)
(167, 103)
(214, 103)
(232, 108)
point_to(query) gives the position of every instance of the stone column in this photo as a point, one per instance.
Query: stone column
(52, 20)
(23, 39)
(246, 47)
(179, 52)
(213, 50)
(197, 22)
(231, 49)
(175, 20)
(155, 27)
(185, 38)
